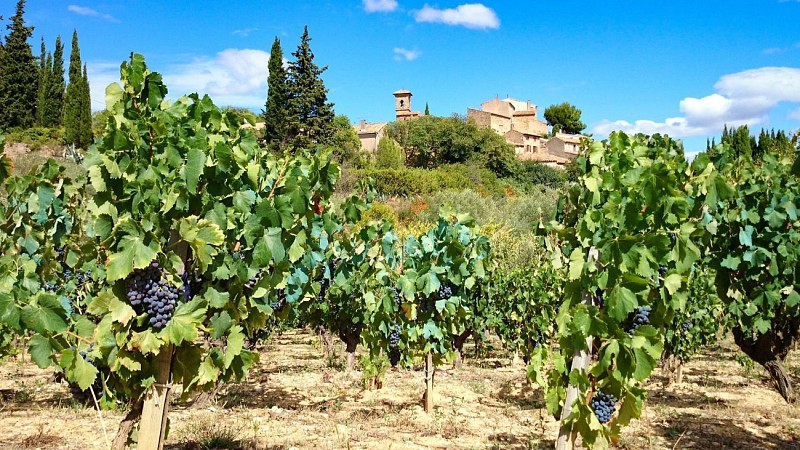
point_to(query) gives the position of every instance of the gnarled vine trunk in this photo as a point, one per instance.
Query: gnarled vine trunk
(326, 339)
(458, 345)
(770, 349)
(351, 339)
(126, 427)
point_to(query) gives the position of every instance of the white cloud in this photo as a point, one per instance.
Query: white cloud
(742, 98)
(795, 114)
(471, 15)
(773, 50)
(371, 6)
(402, 54)
(235, 77)
(244, 32)
(86, 11)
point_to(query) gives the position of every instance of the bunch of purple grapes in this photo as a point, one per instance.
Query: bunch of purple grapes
(398, 300)
(641, 316)
(281, 302)
(603, 406)
(191, 286)
(599, 299)
(394, 345)
(445, 291)
(147, 289)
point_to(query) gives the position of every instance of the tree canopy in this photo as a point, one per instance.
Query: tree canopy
(564, 118)
(430, 141)
(19, 75)
(276, 110)
(77, 106)
(310, 113)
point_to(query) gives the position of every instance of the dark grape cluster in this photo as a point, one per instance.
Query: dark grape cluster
(148, 290)
(394, 345)
(445, 291)
(662, 271)
(641, 316)
(599, 298)
(325, 278)
(67, 274)
(425, 305)
(324, 285)
(281, 302)
(686, 326)
(603, 406)
(398, 299)
(191, 286)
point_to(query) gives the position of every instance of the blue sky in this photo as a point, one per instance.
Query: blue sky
(681, 67)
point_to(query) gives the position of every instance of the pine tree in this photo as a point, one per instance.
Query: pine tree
(72, 98)
(311, 116)
(54, 106)
(19, 75)
(276, 110)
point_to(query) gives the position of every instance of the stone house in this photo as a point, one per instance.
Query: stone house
(370, 134)
(516, 120)
(565, 145)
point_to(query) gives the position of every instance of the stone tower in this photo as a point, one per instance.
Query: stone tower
(402, 105)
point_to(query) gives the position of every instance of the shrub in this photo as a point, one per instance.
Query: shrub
(405, 182)
(530, 174)
(519, 213)
(37, 137)
(389, 155)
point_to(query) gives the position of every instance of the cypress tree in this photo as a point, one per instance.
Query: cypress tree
(72, 98)
(54, 106)
(311, 115)
(427, 111)
(45, 78)
(19, 75)
(85, 122)
(276, 110)
(45, 59)
(740, 141)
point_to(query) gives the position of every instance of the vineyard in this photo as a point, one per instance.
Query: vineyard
(196, 281)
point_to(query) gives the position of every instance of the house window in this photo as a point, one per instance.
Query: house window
(402, 103)
(527, 148)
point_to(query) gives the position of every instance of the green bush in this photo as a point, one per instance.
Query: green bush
(37, 137)
(408, 182)
(519, 213)
(530, 174)
(389, 155)
(405, 182)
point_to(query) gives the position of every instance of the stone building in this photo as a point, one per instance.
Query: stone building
(564, 145)
(402, 106)
(370, 134)
(518, 122)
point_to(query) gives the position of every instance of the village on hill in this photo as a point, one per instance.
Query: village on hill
(517, 121)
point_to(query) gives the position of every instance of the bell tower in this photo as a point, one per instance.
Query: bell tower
(402, 105)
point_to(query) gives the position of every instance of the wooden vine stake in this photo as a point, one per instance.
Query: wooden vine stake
(153, 424)
(429, 369)
(580, 362)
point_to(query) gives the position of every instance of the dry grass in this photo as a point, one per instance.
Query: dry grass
(293, 399)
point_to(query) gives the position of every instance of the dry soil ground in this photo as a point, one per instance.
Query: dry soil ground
(296, 399)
